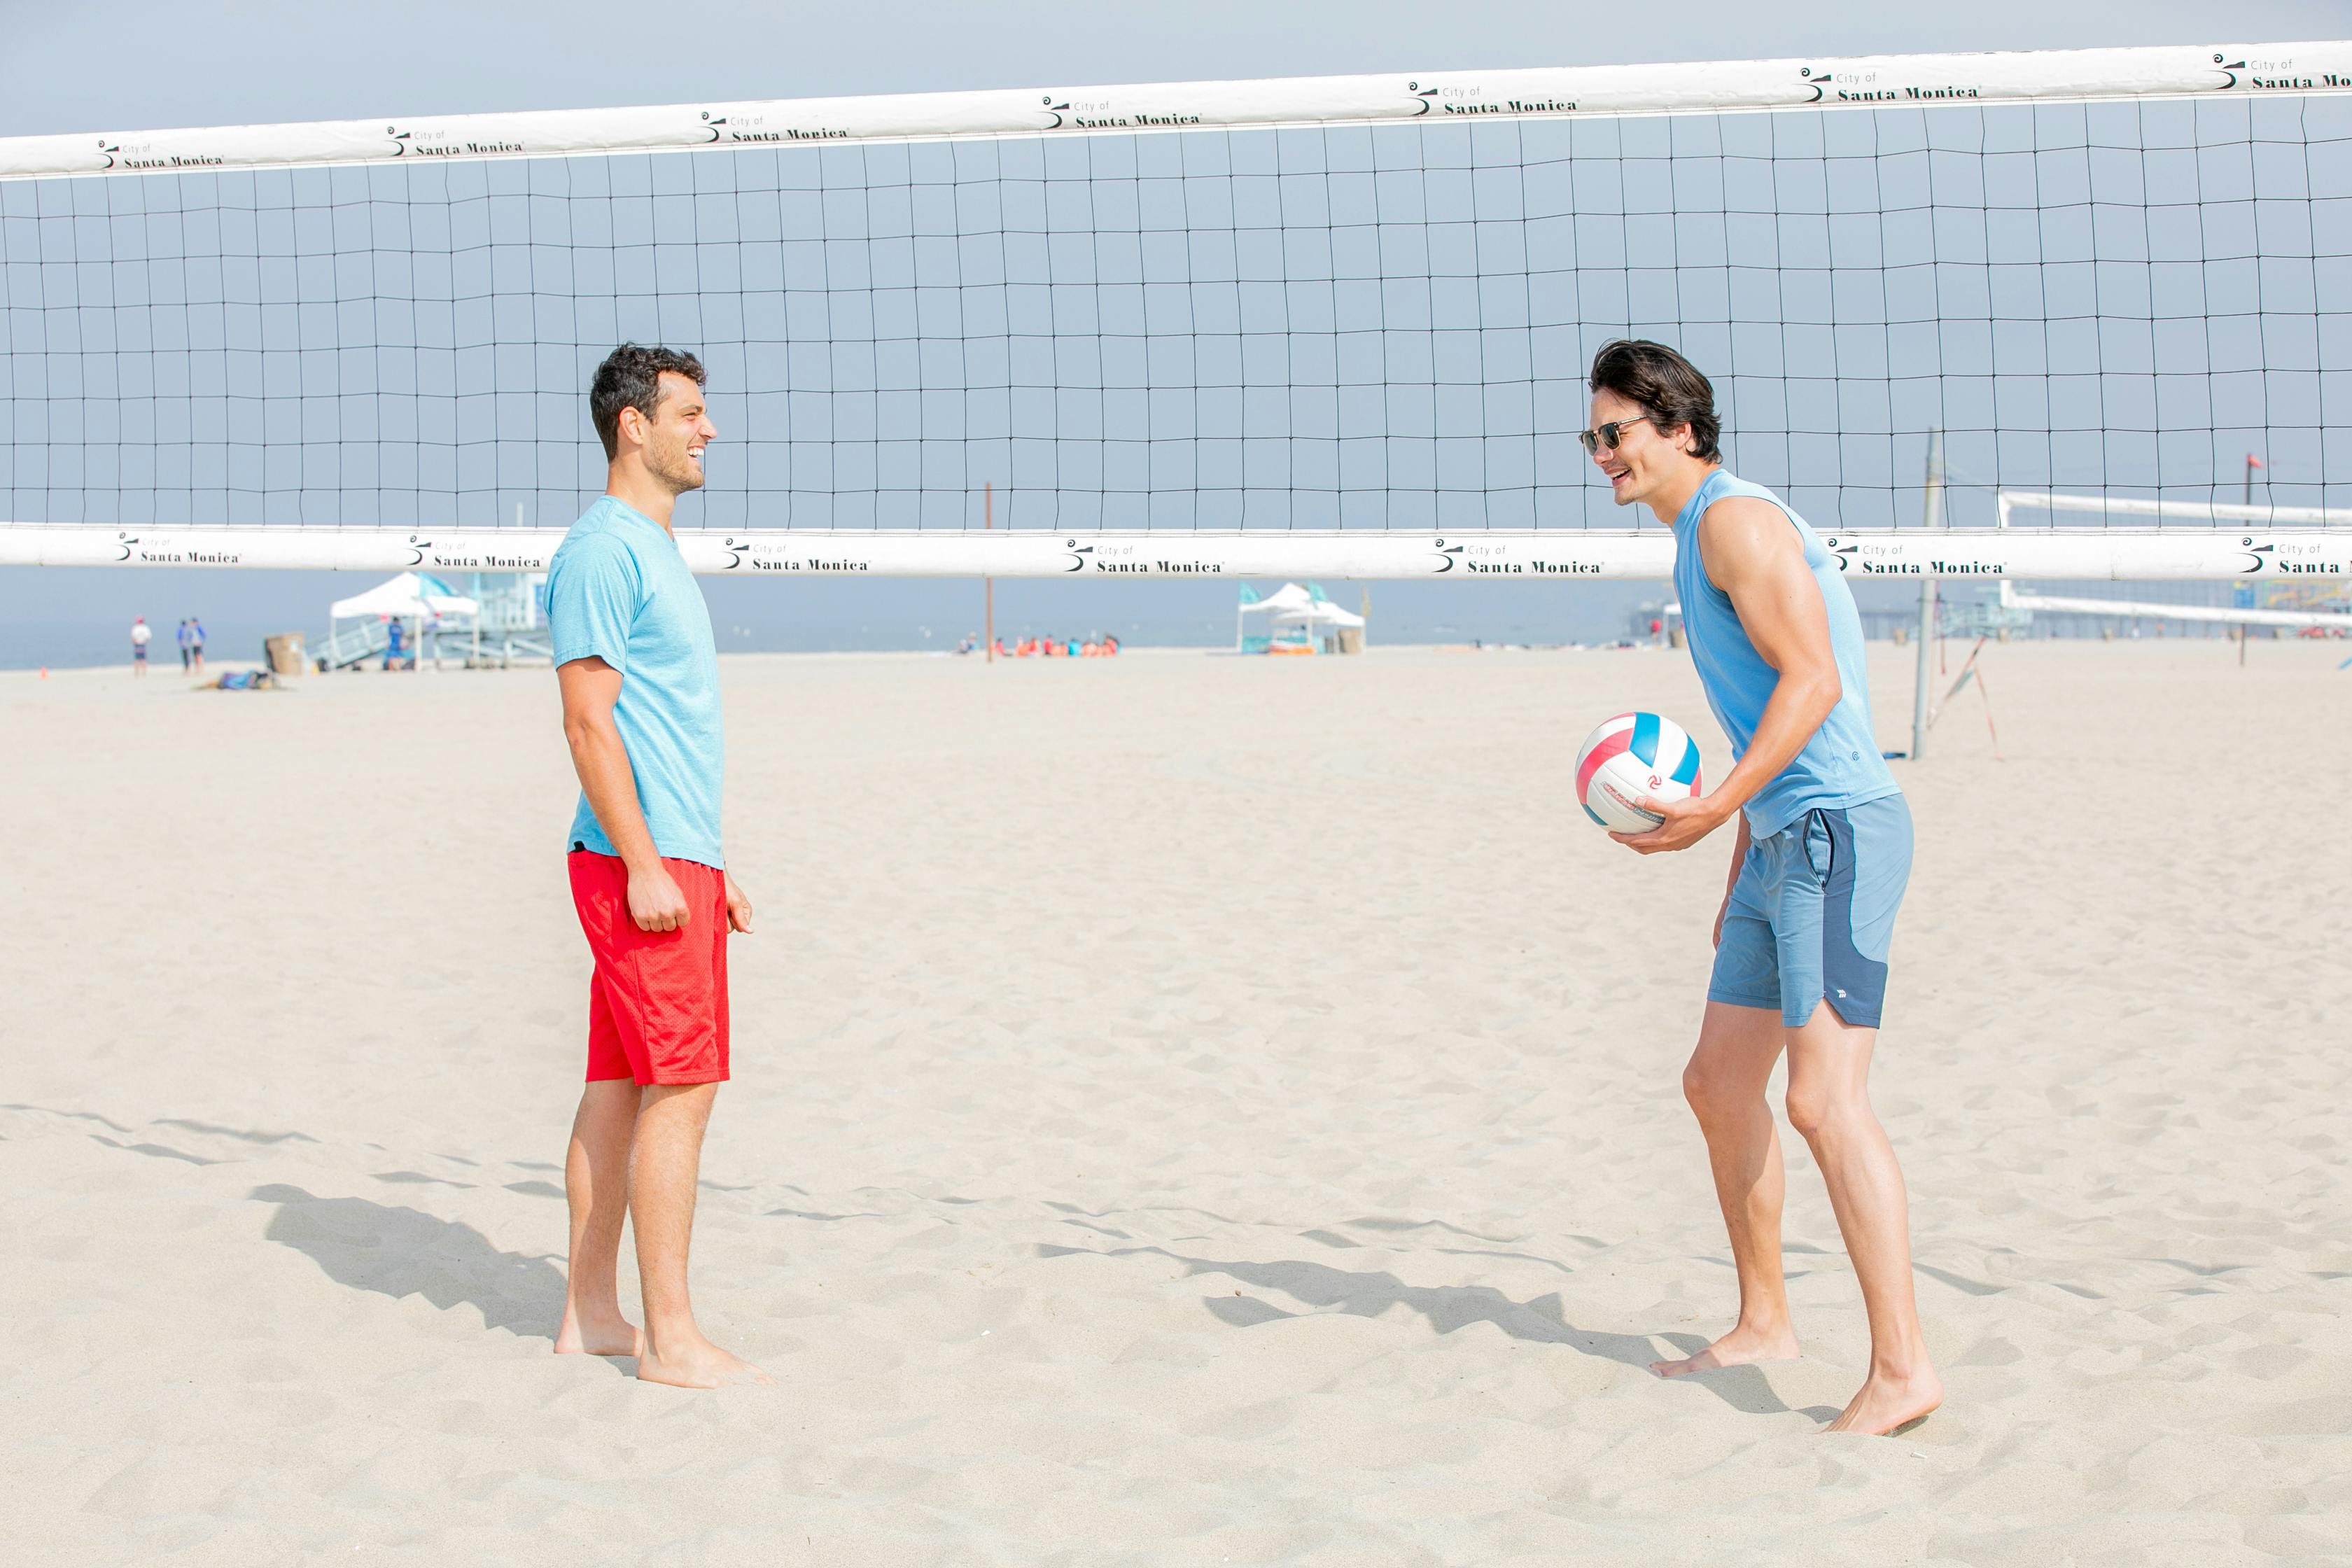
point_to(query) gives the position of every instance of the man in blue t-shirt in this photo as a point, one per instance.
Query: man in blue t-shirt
(1823, 854)
(639, 677)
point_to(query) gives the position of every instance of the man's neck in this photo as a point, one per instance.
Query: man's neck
(1668, 502)
(640, 490)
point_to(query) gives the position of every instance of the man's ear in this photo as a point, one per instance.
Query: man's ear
(637, 436)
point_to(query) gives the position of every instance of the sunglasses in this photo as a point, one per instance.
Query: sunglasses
(1608, 435)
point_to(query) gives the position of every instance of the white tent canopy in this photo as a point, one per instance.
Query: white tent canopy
(1316, 612)
(411, 595)
(1292, 605)
(1288, 597)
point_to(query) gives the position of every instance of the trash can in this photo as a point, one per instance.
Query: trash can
(285, 654)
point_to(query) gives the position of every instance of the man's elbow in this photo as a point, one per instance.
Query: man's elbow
(583, 731)
(1822, 690)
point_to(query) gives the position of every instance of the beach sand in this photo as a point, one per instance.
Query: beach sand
(1187, 1111)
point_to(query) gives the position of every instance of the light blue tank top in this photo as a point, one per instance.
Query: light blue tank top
(1841, 765)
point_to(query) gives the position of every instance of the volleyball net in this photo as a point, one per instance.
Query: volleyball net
(1337, 326)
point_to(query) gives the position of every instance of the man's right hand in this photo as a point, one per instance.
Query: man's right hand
(655, 902)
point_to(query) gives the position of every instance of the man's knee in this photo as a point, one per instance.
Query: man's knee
(1716, 1096)
(679, 1103)
(1817, 1110)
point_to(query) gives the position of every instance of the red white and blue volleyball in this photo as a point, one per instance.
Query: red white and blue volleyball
(1631, 757)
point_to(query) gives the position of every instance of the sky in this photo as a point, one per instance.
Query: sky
(136, 64)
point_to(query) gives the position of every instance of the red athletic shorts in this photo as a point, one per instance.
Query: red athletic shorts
(658, 1004)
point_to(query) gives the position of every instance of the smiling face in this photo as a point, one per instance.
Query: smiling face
(673, 434)
(1646, 461)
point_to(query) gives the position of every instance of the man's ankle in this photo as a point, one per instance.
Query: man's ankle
(672, 1336)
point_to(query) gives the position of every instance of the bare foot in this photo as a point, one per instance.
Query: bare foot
(697, 1364)
(1741, 1346)
(600, 1335)
(1886, 1404)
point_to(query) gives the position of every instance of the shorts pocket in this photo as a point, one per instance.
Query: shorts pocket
(1821, 850)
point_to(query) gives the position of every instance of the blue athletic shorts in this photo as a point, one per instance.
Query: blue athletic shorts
(1812, 911)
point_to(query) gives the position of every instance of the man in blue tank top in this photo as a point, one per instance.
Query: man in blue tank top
(1823, 853)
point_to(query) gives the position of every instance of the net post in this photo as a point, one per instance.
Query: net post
(2245, 632)
(988, 584)
(1932, 505)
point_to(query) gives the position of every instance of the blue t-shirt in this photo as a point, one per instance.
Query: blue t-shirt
(1840, 766)
(618, 590)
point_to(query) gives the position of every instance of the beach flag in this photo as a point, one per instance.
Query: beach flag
(1249, 594)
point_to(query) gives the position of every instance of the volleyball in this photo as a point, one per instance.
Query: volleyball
(1628, 757)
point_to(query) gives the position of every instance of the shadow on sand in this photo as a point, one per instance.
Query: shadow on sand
(400, 1252)
(1323, 1289)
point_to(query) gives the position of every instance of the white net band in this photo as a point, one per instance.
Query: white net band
(1493, 556)
(1871, 82)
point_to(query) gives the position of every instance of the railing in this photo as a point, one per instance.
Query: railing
(347, 645)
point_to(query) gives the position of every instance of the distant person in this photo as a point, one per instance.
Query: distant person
(395, 634)
(140, 633)
(196, 642)
(184, 650)
(1817, 874)
(638, 672)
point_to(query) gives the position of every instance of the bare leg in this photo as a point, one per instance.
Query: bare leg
(663, 1168)
(1725, 1084)
(1829, 1104)
(596, 1185)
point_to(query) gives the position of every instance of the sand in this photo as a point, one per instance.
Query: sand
(1189, 1111)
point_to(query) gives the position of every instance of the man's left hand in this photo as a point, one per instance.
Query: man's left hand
(1686, 822)
(739, 908)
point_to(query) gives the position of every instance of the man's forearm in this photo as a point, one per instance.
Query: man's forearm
(1791, 718)
(602, 760)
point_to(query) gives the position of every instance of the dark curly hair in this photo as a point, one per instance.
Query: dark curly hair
(1669, 388)
(630, 377)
